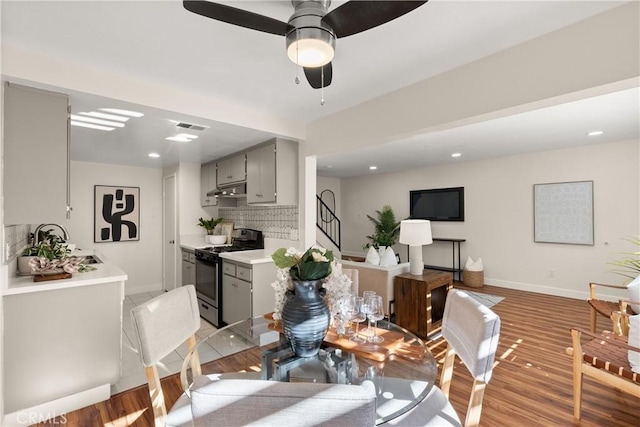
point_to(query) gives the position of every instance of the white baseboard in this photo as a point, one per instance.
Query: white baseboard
(59, 407)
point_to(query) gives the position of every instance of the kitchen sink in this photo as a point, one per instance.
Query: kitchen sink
(92, 259)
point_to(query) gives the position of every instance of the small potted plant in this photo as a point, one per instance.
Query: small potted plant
(209, 225)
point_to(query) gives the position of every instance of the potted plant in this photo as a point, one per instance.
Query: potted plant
(387, 229)
(209, 225)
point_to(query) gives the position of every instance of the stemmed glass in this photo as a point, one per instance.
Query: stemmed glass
(346, 312)
(375, 313)
(357, 315)
(367, 296)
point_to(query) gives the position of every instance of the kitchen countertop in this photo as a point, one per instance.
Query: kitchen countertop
(257, 256)
(105, 272)
(193, 242)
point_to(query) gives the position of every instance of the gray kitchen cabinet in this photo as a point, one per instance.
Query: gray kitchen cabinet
(36, 155)
(208, 182)
(272, 173)
(188, 267)
(232, 169)
(246, 290)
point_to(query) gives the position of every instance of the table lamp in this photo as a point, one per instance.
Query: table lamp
(415, 233)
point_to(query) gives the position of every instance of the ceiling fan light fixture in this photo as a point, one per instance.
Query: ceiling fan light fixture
(310, 52)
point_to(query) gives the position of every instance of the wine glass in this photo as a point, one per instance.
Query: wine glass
(346, 312)
(358, 316)
(375, 313)
(367, 296)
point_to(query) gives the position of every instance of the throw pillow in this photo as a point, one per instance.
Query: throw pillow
(372, 256)
(388, 258)
(634, 341)
(472, 265)
(633, 291)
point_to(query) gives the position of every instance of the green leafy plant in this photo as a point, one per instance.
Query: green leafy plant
(387, 229)
(629, 266)
(209, 224)
(51, 246)
(314, 264)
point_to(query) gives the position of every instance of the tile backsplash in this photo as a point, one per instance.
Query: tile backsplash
(276, 222)
(16, 237)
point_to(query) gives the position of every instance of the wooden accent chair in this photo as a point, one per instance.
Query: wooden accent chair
(602, 307)
(472, 332)
(605, 358)
(161, 325)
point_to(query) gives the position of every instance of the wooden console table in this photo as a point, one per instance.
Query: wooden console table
(420, 299)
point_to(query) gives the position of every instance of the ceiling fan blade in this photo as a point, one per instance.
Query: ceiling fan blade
(354, 16)
(314, 76)
(242, 18)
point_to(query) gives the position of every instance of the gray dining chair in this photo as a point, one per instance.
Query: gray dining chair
(472, 332)
(161, 325)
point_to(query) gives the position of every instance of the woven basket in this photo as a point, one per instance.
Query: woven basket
(473, 279)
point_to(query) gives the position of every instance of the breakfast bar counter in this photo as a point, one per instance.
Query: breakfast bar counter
(62, 340)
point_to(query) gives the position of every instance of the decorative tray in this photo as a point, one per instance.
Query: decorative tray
(394, 343)
(57, 276)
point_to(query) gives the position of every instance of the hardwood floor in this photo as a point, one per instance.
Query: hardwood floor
(531, 384)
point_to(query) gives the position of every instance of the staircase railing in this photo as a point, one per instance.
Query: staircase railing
(328, 222)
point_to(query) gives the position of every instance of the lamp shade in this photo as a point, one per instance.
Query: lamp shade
(415, 232)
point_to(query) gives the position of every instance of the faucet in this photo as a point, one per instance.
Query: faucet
(36, 234)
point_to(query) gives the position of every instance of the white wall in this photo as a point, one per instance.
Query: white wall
(189, 209)
(499, 214)
(141, 260)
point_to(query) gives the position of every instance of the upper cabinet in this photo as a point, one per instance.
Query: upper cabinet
(207, 184)
(36, 155)
(232, 169)
(272, 173)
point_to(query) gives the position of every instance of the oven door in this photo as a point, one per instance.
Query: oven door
(208, 290)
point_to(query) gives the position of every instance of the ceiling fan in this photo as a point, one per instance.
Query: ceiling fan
(311, 31)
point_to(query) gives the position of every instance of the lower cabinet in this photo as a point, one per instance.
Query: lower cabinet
(188, 267)
(246, 290)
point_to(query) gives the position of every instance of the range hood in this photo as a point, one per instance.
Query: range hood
(237, 190)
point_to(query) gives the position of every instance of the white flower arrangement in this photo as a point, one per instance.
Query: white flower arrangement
(336, 284)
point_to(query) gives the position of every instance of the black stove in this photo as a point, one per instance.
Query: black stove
(242, 239)
(209, 273)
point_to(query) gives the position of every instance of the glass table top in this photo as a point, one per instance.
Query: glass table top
(403, 370)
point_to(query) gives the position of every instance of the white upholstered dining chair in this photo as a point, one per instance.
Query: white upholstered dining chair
(472, 332)
(161, 325)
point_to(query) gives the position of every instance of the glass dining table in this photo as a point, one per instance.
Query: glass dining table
(401, 367)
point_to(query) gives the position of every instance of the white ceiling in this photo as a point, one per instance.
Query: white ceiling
(163, 43)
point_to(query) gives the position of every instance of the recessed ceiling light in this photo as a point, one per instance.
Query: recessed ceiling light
(90, 125)
(456, 155)
(182, 137)
(329, 167)
(122, 112)
(595, 133)
(105, 116)
(154, 155)
(96, 121)
(372, 168)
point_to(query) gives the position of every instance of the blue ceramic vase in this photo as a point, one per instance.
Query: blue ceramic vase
(305, 317)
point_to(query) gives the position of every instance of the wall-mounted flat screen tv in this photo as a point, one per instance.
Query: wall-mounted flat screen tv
(440, 204)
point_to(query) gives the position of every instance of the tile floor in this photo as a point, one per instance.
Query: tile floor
(132, 369)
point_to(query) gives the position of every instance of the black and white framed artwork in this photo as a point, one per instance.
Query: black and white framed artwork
(116, 214)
